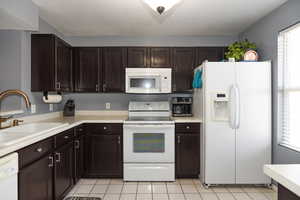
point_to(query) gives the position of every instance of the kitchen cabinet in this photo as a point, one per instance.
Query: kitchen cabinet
(187, 150)
(138, 57)
(183, 66)
(104, 153)
(79, 153)
(114, 64)
(161, 57)
(63, 174)
(36, 180)
(51, 64)
(286, 194)
(88, 69)
(212, 54)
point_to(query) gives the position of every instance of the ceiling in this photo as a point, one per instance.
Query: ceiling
(134, 18)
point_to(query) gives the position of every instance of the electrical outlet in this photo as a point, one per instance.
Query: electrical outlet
(50, 107)
(33, 108)
(107, 106)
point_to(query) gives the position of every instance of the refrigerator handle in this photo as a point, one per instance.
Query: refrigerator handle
(232, 107)
(237, 110)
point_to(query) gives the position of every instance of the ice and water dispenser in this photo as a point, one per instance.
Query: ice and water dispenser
(220, 103)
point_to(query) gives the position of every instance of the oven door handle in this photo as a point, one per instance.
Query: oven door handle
(148, 125)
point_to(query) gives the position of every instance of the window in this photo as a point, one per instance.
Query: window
(289, 86)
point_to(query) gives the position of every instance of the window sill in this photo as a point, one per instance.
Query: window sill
(290, 147)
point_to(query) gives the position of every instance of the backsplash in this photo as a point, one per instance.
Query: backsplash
(118, 101)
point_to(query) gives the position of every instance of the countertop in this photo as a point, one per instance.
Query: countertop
(73, 122)
(286, 175)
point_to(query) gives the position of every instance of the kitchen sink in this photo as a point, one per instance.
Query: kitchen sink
(20, 133)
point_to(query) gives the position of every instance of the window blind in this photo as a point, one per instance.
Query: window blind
(289, 86)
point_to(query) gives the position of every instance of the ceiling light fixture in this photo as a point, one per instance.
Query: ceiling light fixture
(161, 6)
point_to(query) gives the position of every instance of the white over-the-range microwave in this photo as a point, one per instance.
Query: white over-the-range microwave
(148, 80)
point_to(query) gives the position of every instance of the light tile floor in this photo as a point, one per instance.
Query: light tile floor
(181, 189)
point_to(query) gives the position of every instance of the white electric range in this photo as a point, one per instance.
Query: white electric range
(149, 142)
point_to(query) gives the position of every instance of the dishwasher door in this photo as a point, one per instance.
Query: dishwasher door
(9, 177)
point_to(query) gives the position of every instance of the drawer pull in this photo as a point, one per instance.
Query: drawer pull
(188, 127)
(66, 137)
(58, 157)
(119, 139)
(80, 130)
(40, 150)
(77, 144)
(104, 128)
(51, 164)
(178, 139)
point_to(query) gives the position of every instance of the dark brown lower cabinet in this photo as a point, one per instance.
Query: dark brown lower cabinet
(36, 180)
(286, 194)
(104, 156)
(187, 150)
(63, 175)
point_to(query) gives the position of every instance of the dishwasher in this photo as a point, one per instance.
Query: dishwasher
(9, 177)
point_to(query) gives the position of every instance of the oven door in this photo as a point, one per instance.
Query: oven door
(143, 84)
(149, 143)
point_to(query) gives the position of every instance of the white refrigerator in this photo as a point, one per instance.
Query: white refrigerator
(235, 104)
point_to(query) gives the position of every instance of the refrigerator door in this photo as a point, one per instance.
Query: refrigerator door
(253, 137)
(219, 137)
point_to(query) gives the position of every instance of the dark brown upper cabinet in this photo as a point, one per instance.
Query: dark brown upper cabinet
(161, 57)
(212, 54)
(183, 65)
(88, 69)
(114, 64)
(138, 57)
(51, 63)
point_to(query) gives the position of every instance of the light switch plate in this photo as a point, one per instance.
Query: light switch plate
(107, 106)
(33, 108)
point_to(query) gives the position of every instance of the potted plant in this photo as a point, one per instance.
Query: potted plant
(238, 49)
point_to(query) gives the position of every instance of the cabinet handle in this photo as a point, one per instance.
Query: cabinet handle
(39, 150)
(58, 85)
(104, 87)
(58, 157)
(80, 130)
(77, 144)
(104, 128)
(51, 164)
(66, 137)
(188, 127)
(119, 139)
(97, 88)
(178, 139)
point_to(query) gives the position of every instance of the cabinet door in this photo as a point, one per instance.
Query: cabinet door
(87, 62)
(63, 66)
(36, 180)
(184, 63)
(212, 54)
(104, 156)
(138, 57)
(79, 158)
(42, 62)
(187, 155)
(114, 64)
(161, 57)
(63, 171)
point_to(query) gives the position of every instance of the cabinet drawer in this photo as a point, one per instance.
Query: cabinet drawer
(187, 128)
(35, 151)
(114, 129)
(64, 137)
